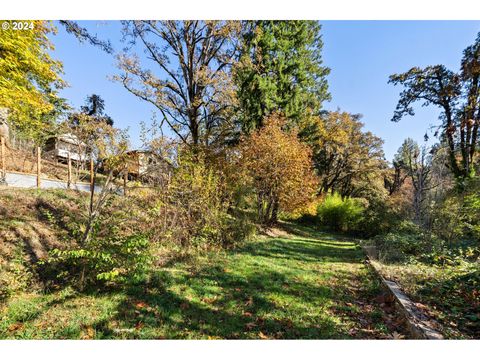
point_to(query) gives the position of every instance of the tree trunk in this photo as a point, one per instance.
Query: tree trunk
(274, 217)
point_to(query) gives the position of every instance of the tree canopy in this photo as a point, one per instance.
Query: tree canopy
(29, 77)
(345, 157)
(188, 82)
(280, 167)
(95, 107)
(280, 69)
(457, 94)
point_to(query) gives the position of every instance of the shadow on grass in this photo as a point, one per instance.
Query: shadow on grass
(305, 250)
(237, 307)
(257, 296)
(463, 308)
(257, 303)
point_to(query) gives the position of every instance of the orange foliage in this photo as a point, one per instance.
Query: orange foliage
(279, 167)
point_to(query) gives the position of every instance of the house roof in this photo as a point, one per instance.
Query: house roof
(70, 138)
(139, 151)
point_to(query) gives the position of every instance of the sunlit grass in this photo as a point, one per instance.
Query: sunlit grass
(306, 285)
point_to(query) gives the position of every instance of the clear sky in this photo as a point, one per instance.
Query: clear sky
(360, 54)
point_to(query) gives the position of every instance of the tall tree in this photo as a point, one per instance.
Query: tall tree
(29, 77)
(82, 34)
(345, 157)
(416, 162)
(280, 69)
(394, 178)
(190, 84)
(95, 107)
(458, 96)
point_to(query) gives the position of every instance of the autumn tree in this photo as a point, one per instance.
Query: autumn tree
(83, 35)
(189, 83)
(280, 69)
(457, 94)
(394, 178)
(107, 147)
(345, 157)
(29, 77)
(416, 162)
(280, 169)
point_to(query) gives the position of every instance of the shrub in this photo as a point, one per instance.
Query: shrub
(113, 257)
(15, 276)
(471, 210)
(406, 241)
(340, 214)
(305, 215)
(195, 208)
(451, 257)
(457, 220)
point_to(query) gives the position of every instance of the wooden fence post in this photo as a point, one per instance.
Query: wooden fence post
(92, 185)
(39, 167)
(125, 178)
(4, 165)
(69, 180)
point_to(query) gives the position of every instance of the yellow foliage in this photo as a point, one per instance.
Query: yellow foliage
(28, 75)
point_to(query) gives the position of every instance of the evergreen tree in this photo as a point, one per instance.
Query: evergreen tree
(280, 70)
(95, 107)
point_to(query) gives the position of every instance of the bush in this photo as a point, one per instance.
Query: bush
(407, 241)
(194, 210)
(113, 258)
(451, 257)
(14, 277)
(340, 214)
(457, 220)
(471, 210)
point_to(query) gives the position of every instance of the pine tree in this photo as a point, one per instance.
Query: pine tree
(280, 70)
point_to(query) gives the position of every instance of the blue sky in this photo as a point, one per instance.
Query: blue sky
(361, 55)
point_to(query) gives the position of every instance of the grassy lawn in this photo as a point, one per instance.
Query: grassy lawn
(307, 285)
(448, 294)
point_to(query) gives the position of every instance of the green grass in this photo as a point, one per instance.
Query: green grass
(303, 286)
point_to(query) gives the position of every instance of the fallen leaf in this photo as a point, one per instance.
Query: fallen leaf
(140, 305)
(250, 325)
(209, 300)
(262, 335)
(88, 333)
(15, 327)
(397, 336)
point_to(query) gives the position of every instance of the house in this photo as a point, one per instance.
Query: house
(139, 162)
(60, 147)
(144, 164)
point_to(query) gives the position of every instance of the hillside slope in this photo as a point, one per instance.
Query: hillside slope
(297, 284)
